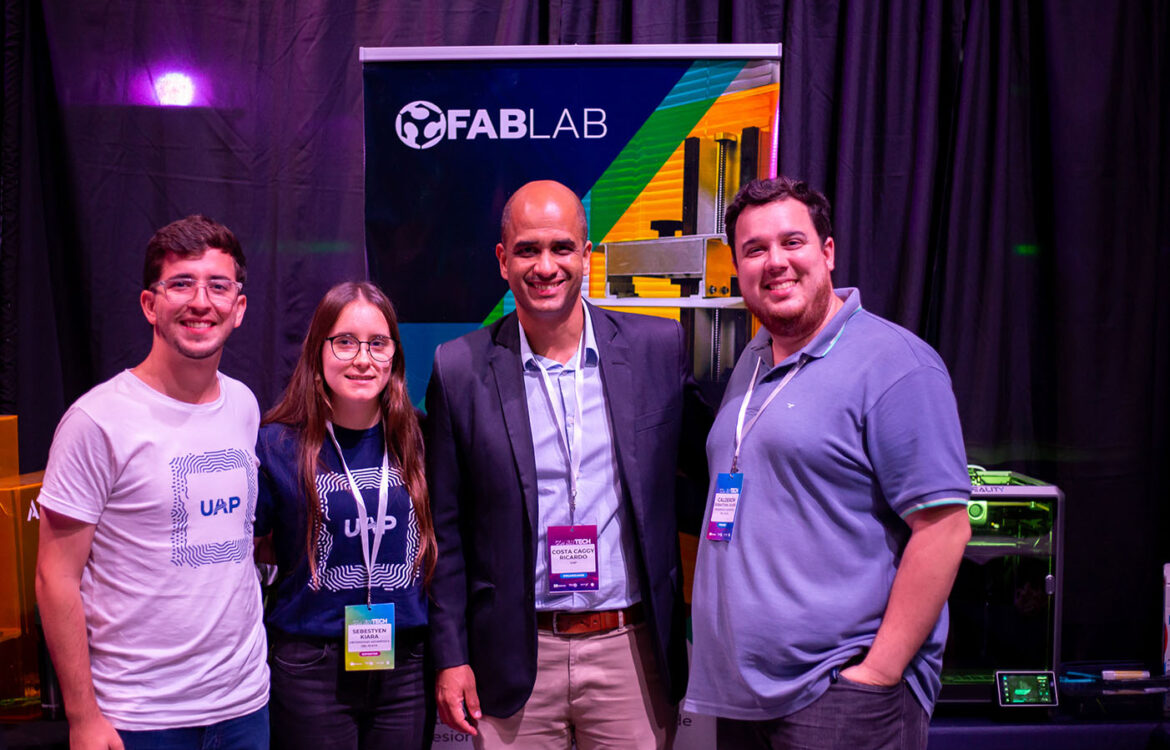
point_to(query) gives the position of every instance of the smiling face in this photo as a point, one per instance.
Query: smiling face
(355, 386)
(784, 270)
(544, 252)
(195, 329)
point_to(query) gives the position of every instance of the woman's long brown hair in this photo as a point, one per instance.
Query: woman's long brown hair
(305, 407)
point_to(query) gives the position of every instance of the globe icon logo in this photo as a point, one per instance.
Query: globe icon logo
(420, 124)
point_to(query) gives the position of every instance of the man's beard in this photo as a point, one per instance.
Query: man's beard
(803, 324)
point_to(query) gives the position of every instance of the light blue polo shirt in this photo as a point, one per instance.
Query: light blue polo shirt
(865, 434)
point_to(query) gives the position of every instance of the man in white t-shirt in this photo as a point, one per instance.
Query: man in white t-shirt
(149, 598)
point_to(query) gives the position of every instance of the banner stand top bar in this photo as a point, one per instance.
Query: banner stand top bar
(572, 51)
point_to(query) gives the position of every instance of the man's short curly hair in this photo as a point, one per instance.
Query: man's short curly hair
(190, 238)
(760, 192)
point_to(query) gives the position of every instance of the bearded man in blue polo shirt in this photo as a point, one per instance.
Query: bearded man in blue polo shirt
(836, 517)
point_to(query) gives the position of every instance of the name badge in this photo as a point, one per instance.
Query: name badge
(369, 637)
(572, 559)
(727, 490)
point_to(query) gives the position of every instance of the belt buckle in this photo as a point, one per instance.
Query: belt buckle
(556, 616)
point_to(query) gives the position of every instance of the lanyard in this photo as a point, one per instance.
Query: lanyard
(741, 430)
(368, 555)
(573, 446)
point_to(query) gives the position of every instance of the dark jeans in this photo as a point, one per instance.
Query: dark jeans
(849, 716)
(248, 732)
(316, 705)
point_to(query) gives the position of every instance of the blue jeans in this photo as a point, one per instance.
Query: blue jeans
(249, 732)
(317, 705)
(848, 716)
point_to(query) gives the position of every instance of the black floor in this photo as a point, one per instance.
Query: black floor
(38, 735)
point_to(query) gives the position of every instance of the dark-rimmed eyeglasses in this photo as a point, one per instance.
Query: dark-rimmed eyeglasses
(345, 347)
(220, 292)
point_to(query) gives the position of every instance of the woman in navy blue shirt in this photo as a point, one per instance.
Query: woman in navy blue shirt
(343, 494)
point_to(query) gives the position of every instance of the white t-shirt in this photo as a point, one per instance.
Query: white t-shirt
(171, 597)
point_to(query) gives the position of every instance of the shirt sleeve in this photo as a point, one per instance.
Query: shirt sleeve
(915, 443)
(80, 472)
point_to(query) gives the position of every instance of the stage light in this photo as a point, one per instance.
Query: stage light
(174, 90)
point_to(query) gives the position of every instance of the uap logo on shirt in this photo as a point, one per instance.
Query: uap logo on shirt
(218, 505)
(422, 124)
(353, 526)
(222, 485)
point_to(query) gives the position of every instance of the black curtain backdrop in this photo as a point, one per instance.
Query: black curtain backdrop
(998, 171)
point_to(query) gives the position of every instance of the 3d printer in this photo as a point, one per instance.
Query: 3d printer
(1006, 602)
(672, 258)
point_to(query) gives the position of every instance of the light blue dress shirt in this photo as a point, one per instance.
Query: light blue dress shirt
(599, 492)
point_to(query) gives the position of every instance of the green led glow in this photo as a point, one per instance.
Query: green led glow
(1026, 249)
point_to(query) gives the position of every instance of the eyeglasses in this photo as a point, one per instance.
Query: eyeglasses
(345, 347)
(220, 292)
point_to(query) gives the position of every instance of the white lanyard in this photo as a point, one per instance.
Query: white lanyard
(742, 430)
(368, 554)
(573, 449)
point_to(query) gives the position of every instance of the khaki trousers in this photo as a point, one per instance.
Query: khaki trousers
(602, 690)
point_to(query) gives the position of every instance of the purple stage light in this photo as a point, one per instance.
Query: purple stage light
(174, 89)
(170, 83)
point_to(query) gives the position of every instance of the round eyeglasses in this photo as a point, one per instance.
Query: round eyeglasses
(220, 292)
(345, 347)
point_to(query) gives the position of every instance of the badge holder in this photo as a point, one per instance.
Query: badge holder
(572, 559)
(369, 637)
(727, 489)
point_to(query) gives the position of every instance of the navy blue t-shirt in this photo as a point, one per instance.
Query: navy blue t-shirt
(299, 608)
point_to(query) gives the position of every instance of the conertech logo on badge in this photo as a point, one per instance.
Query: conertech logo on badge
(421, 124)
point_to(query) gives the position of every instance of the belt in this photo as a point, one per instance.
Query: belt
(581, 623)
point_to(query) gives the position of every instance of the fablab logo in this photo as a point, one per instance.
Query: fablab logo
(422, 124)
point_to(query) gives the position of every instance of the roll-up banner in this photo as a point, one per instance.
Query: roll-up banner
(655, 139)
